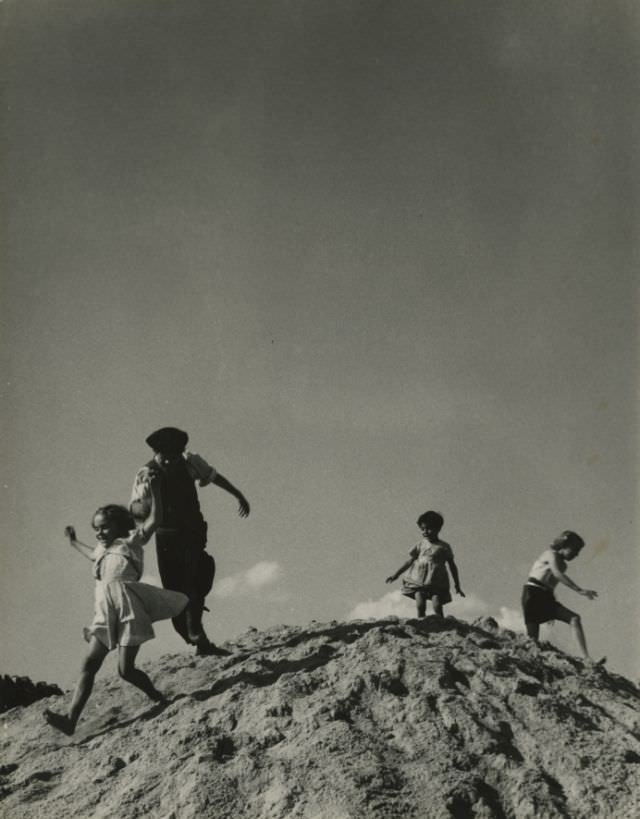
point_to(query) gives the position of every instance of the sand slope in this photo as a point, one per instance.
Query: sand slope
(383, 719)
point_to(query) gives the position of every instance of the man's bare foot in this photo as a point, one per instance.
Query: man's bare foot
(60, 721)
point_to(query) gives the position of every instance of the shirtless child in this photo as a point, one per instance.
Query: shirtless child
(538, 601)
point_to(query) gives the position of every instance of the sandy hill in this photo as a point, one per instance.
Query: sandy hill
(381, 719)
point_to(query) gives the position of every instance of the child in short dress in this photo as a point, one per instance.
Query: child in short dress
(427, 578)
(125, 608)
(539, 604)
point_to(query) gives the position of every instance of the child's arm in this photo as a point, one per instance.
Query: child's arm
(402, 569)
(85, 551)
(567, 581)
(207, 475)
(454, 573)
(243, 503)
(150, 524)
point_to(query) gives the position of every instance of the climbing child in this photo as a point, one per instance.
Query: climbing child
(125, 608)
(427, 578)
(539, 604)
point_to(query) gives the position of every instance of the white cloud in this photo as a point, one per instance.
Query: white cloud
(259, 575)
(510, 618)
(393, 602)
(464, 608)
(227, 586)
(266, 571)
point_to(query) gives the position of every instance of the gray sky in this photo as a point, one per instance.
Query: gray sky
(375, 257)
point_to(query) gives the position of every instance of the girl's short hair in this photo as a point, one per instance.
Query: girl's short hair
(118, 515)
(433, 519)
(567, 538)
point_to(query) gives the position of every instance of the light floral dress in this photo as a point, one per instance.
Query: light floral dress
(428, 572)
(124, 607)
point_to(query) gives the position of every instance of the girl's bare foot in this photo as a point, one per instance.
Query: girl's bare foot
(60, 721)
(86, 633)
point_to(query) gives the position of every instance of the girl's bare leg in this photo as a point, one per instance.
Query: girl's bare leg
(421, 604)
(90, 667)
(437, 605)
(128, 671)
(573, 619)
(576, 625)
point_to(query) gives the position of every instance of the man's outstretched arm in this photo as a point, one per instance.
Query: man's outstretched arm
(243, 503)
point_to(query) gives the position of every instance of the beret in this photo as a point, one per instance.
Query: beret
(167, 440)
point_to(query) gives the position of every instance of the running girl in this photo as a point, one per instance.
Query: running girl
(125, 608)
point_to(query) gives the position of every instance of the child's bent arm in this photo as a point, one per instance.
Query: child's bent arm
(567, 581)
(243, 503)
(456, 579)
(78, 545)
(150, 524)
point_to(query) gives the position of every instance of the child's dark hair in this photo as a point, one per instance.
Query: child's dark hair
(119, 515)
(567, 538)
(433, 519)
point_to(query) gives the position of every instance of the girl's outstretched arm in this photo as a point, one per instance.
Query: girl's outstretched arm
(85, 551)
(567, 581)
(402, 568)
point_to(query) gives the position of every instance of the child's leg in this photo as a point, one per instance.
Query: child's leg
(437, 605)
(128, 671)
(90, 667)
(421, 603)
(169, 551)
(533, 630)
(573, 619)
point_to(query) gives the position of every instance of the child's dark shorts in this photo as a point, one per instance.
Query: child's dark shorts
(538, 604)
(443, 594)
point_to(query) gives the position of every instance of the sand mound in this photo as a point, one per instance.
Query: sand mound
(381, 719)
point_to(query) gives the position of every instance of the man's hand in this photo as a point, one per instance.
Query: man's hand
(243, 506)
(590, 593)
(460, 592)
(70, 533)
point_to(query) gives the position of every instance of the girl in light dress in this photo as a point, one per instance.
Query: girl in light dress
(427, 578)
(125, 608)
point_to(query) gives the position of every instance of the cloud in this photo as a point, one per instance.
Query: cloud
(391, 603)
(259, 575)
(464, 608)
(510, 618)
(266, 571)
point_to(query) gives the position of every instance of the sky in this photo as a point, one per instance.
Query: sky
(375, 257)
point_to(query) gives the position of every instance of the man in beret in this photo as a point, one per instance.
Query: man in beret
(181, 537)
